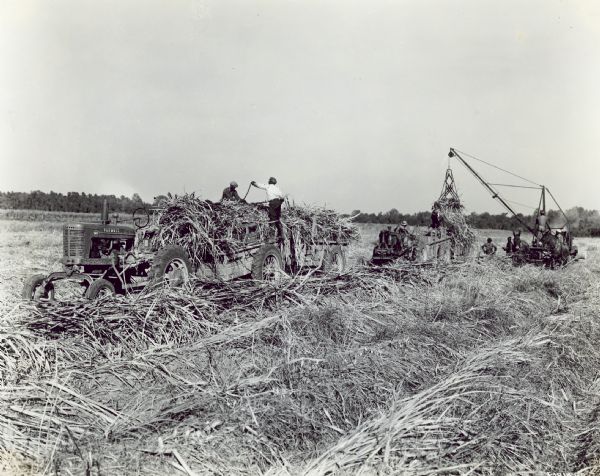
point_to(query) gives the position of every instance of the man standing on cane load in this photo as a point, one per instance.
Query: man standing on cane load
(275, 197)
(230, 193)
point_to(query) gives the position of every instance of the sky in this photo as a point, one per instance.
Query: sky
(349, 104)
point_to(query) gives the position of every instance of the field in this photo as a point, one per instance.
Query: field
(61, 217)
(468, 368)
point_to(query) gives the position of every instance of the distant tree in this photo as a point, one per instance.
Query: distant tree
(393, 216)
(71, 202)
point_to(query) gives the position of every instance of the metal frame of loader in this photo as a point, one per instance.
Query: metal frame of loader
(535, 253)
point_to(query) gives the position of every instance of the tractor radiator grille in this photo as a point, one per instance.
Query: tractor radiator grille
(72, 241)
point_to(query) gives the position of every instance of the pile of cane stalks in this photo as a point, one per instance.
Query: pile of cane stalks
(210, 231)
(452, 212)
(468, 368)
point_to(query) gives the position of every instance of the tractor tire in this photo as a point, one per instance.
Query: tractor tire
(334, 261)
(171, 266)
(267, 264)
(99, 289)
(31, 291)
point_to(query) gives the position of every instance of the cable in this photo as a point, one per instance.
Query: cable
(521, 204)
(496, 167)
(514, 186)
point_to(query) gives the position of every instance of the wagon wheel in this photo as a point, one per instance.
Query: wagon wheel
(172, 266)
(334, 261)
(267, 264)
(33, 290)
(99, 289)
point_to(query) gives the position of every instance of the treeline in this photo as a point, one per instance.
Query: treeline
(583, 222)
(476, 220)
(71, 202)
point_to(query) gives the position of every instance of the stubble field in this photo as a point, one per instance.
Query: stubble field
(470, 368)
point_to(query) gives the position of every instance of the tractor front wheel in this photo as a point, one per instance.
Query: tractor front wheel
(33, 290)
(172, 266)
(99, 289)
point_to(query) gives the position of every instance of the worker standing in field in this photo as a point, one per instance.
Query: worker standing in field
(230, 193)
(509, 246)
(275, 198)
(436, 216)
(516, 241)
(403, 232)
(489, 248)
(542, 223)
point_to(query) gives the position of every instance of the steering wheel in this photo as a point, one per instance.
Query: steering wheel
(141, 217)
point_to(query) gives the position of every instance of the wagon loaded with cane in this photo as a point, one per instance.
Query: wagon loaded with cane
(185, 237)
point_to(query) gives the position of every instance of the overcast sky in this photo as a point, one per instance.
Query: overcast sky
(353, 104)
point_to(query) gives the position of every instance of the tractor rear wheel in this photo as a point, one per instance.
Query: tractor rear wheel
(267, 264)
(99, 289)
(334, 261)
(33, 291)
(172, 266)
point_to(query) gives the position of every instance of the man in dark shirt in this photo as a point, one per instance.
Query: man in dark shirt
(230, 193)
(516, 242)
(509, 245)
(436, 216)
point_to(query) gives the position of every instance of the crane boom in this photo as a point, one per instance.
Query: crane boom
(490, 189)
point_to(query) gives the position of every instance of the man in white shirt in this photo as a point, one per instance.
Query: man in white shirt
(542, 223)
(275, 197)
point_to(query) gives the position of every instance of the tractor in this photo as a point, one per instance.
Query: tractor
(96, 255)
(115, 258)
(395, 244)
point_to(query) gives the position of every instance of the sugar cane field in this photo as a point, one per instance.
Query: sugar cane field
(470, 367)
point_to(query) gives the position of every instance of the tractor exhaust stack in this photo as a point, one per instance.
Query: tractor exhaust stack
(104, 218)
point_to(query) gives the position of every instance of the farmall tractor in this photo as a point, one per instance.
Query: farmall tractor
(115, 258)
(104, 258)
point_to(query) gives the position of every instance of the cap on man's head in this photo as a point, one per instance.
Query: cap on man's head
(404, 223)
(272, 180)
(233, 184)
(489, 240)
